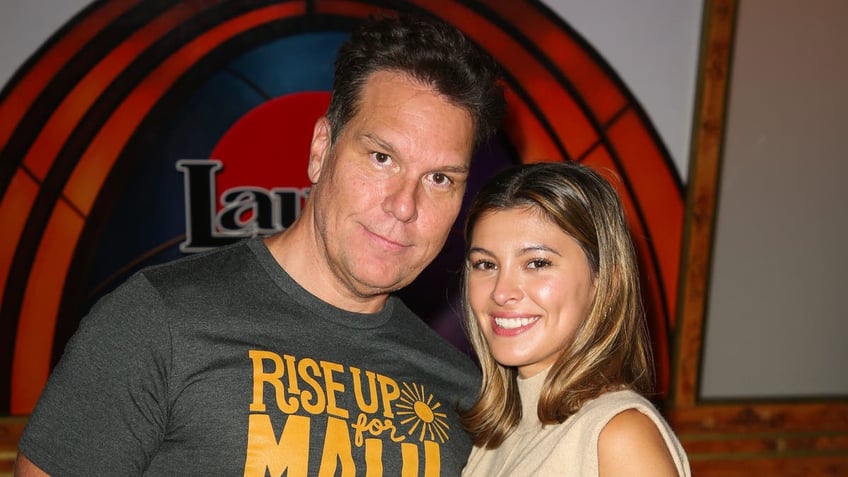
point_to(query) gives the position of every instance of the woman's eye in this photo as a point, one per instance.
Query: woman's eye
(539, 263)
(482, 265)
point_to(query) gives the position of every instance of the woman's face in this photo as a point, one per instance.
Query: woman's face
(530, 286)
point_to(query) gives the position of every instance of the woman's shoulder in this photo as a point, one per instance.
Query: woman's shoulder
(611, 403)
(634, 438)
(632, 444)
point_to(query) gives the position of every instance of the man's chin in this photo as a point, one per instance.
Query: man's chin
(374, 286)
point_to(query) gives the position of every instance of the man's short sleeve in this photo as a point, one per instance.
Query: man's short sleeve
(104, 409)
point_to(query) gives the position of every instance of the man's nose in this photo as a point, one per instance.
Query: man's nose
(402, 200)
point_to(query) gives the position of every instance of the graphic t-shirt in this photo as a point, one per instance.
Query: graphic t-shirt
(220, 364)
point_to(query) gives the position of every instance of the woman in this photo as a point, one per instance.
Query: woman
(553, 310)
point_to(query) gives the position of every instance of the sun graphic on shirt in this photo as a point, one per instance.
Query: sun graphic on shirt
(417, 408)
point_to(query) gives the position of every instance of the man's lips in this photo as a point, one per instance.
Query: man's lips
(385, 241)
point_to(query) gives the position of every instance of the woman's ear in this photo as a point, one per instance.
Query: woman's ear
(319, 149)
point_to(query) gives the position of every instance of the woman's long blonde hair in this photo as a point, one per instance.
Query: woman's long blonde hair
(611, 348)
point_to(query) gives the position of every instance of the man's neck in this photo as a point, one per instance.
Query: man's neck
(298, 252)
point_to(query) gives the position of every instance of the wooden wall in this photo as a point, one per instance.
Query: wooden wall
(757, 438)
(10, 432)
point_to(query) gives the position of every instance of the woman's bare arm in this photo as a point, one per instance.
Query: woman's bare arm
(631, 445)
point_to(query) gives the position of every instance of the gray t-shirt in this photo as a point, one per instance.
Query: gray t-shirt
(220, 364)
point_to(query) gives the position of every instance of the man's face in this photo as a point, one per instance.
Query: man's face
(386, 194)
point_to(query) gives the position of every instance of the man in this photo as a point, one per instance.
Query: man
(288, 355)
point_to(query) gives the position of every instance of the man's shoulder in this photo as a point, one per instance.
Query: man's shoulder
(212, 273)
(214, 261)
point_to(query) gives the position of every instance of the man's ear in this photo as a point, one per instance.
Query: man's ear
(319, 149)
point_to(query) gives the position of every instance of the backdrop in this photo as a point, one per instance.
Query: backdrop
(143, 131)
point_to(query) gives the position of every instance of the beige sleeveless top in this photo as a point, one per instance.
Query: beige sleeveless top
(566, 449)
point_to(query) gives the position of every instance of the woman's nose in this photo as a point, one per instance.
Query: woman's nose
(507, 289)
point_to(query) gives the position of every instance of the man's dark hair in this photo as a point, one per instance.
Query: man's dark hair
(428, 50)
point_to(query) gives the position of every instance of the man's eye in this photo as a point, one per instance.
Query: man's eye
(381, 157)
(440, 179)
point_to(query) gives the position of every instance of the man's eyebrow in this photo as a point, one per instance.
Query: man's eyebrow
(454, 169)
(378, 141)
